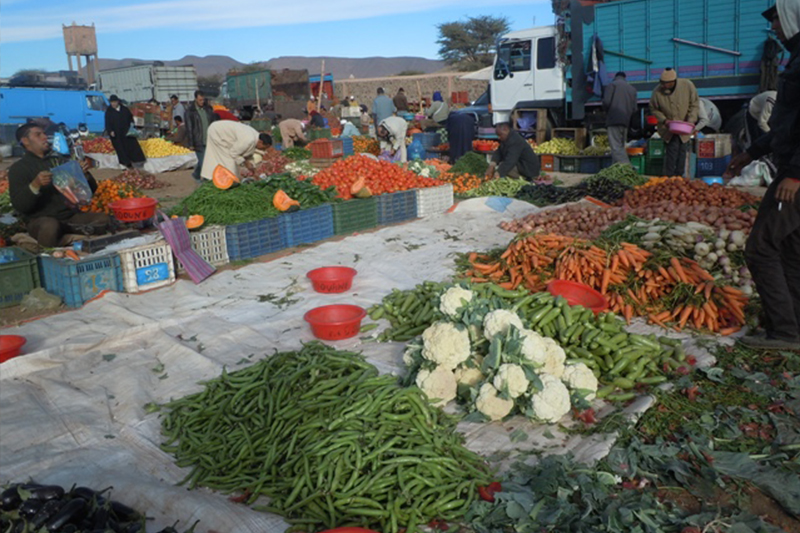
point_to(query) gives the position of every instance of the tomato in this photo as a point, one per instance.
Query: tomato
(487, 493)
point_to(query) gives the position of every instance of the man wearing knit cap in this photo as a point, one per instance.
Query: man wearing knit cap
(773, 248)
(674, 99)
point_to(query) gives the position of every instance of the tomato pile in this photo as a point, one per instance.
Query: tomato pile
(380, 177)
(98, 145)
(463, 182)
(485, 146)
(109, 191)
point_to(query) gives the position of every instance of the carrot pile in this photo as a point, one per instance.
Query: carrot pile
(439, 165)
(109, 191)
(652, 182)
(669, 292)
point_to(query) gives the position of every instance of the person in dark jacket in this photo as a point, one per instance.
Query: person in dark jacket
(460, 134)
(400, 100)
(772, 251)
(514, 158)
(178, 135)
(199, 116)
(43, 209)
(619, 103)
(119, 120)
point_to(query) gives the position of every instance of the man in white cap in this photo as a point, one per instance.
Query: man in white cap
(674, 99)
(773, 248)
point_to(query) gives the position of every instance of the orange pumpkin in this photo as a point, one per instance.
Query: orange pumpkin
(283, 202)
(195, 221)
(412, 131)
(223, 178)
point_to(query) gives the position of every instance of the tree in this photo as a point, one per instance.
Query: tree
(410, 73)
(29, 71)
(469, 45)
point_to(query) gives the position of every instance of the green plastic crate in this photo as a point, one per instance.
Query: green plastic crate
(355, 215)
(312, 134)
(654, 166)
(19, 275)
(655, 148)
(638, 163)
(569, 165)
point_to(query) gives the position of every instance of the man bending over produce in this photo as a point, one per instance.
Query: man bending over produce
(231, 144)
(44, 210)
(291, 132)
(514, 157)
(773, 248)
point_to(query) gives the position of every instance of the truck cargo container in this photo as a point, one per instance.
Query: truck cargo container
(249, 89)
(142, 83)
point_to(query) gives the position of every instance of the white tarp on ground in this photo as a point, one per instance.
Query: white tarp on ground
(154, 165)
(72, 408)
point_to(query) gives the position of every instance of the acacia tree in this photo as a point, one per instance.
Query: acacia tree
(469, 45)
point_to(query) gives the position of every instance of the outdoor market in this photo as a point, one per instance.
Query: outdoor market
(400, 318)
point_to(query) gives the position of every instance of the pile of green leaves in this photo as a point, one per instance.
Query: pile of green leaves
(295, 153)
(471, 163)
(5, 203)
(250, 201)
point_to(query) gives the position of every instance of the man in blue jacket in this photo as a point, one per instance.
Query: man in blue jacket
(773, 248)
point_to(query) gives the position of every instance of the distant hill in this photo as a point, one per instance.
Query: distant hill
(340, 67)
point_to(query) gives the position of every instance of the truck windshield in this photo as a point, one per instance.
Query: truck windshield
(95, 103)
(516, 55)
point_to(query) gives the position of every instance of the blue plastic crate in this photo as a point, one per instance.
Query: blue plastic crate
(589, 165)
(715, 166)
(428, 140)
(397, 207)
(253, 239)
(19, 275)
(606, 161)
(306, 226)
(347, 146)
(76, 282)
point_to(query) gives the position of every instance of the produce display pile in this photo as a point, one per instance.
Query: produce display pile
(5, 203)
(139, 179)
(670, 291)
(485, 146)
(558, 147)
(470, 163)
(98, 145)
(689, 192)
(301, 169)
(609, 185)
(380, 177)
(109, 191)
(508, 187)
(329, 441)
(156, 147)
(366, 145)
(272, 162)
(32, 507)
(296, 153)
(499, 351)
(3, 186)
(250, 201)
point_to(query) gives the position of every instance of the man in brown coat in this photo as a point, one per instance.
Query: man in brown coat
(674, 99)
(400, 100)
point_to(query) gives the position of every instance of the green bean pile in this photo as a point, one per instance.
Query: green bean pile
(250, 201)
(409, 312)
(328, 440)
(508, 187)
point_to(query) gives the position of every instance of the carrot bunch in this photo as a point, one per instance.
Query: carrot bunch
(439, 165)
(668, 291)
(652, 182)
(462, 182)
(109, 191)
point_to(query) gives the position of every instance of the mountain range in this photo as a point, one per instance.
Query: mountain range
(340, 67)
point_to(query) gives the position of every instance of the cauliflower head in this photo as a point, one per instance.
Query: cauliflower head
(579, 377)
(439, 385)
(552, 402)
(513, 377)
(545, 354)
(491, 404)
(451, 301)
(445, 345)
(470, 376)
(499, 321)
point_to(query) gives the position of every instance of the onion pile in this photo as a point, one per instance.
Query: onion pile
(140, 179)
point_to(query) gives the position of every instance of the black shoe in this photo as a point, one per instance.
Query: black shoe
(762, 342)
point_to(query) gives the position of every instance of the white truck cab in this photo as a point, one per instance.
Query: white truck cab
(526, 73)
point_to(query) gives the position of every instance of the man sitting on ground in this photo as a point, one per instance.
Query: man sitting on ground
(44, 210)
(514, 158)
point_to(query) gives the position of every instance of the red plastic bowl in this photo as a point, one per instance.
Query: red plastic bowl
(578, 294)
(679, 127)
(134, 209)
(335, 322)
(10, 346)
(332, 279)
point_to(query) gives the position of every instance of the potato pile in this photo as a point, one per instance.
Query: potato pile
(689, 192)
(588, 222)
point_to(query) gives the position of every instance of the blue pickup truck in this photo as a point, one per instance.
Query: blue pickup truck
(71, 106)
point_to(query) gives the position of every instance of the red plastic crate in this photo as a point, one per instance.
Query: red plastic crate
(326, 148)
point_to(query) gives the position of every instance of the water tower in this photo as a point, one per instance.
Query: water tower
(81, 41)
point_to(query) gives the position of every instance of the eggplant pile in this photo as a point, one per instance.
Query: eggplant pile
(33, 508)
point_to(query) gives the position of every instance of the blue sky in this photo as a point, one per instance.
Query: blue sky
(246, 30)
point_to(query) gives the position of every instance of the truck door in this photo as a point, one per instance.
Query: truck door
(548, 81)
(512, 77)
(64, 106)
(19, 104)
(95, 113)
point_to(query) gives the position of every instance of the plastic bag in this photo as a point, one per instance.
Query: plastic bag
(40, 300)
(753, 175)
(60, 144)
(71, 183)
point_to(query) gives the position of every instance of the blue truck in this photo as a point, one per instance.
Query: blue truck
(73, 107)
(718, 44)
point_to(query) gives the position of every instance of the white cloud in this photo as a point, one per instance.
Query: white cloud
(34, 24)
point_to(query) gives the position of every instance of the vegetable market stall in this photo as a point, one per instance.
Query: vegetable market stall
(77, 403)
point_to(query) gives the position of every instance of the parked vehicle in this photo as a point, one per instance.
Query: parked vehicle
(142, 83)
(72, 107)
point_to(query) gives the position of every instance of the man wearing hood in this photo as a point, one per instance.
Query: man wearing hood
(674, 99)
(773, 248)
(392, 136)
